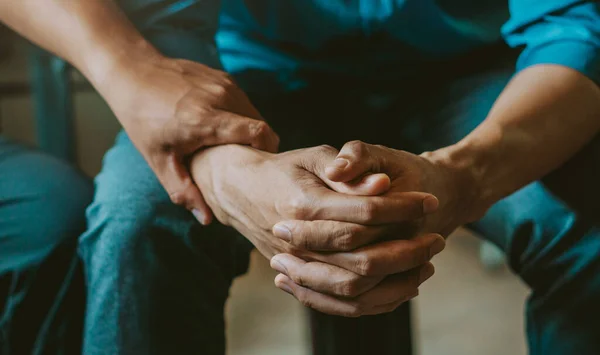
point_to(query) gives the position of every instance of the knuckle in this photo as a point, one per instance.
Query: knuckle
(368, 211)
(303, 298)
(220, 90)
(299, 207)
(199, 114)
(298, 278)
(227, 80)
(291, 249)
(190, 113)
(364, 265)
(178, 198)
(207, 130)
(348, 288)
(344, 242)
(197, 118)
(259, 129)
(325, 148)
(349, 240)
(302, 241)
(357, 147)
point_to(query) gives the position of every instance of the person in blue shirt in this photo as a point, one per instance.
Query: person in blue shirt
(463, 129)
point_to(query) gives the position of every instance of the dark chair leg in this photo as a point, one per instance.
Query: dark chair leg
(51, 85)
(384, 334)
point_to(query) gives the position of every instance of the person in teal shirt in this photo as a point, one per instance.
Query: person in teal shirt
(479, 113)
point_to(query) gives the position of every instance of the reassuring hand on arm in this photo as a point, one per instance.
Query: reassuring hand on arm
(171, 108)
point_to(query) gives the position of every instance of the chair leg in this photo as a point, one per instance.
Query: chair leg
(384, 334)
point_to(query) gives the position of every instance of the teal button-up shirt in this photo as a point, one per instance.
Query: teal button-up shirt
(388, 38)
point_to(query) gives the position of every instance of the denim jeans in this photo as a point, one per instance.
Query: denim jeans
(549, 230)
(42, 204)
(157, 281)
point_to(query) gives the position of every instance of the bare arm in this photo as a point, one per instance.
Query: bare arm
(543, 117)
(94, 36)
(169, 107)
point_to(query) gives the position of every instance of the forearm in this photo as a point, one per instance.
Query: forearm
(93, 35)
(544, 116)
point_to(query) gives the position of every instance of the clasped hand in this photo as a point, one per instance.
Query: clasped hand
(347, 235)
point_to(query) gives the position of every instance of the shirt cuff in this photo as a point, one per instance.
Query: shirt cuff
(579, 55)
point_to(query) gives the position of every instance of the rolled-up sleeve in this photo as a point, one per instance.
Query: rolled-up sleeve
(562, 32)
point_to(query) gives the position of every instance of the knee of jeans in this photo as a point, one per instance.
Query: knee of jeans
(54, 215)
(129, 203)
(551, 251)
(117, 226)
(128, 227)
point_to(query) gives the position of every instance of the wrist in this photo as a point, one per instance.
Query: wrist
(111, 67)
(464, 167)
(221, 159)
(217, 173)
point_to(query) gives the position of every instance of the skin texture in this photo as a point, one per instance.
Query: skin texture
(173, 108)
(544, 116)
(170, 108)
(337, 252)
(252, 190)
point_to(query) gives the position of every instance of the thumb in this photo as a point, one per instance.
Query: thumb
(369, 185)
(176, 179)
(353, 161)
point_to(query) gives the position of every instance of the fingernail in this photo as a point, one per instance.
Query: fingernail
(340, 163)
(282, 232)
(201, 217)
(278, 265)
(437, 246)
(286, 288)
(430, 204)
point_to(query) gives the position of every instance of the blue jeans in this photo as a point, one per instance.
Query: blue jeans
(42, 204)
(158, 281)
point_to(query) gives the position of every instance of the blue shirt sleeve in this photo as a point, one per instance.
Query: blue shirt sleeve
(182, 29)
(563, 32)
